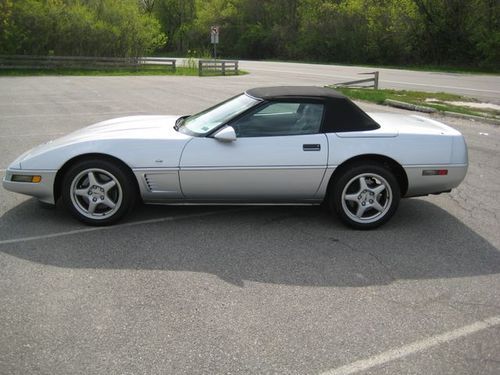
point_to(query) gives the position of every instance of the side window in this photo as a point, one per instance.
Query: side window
(279, 108)
(281, 118)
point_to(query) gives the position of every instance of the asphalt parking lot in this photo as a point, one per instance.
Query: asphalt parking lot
(218, 289)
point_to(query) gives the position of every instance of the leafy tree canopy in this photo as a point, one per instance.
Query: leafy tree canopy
(451, 32)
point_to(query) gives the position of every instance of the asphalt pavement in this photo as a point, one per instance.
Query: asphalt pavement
(223, 289)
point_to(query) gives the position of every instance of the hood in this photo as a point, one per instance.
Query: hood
(137, 127)
(140, 128)
(133, 127)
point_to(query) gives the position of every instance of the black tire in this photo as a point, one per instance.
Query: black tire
(348, 197)
(93, 203)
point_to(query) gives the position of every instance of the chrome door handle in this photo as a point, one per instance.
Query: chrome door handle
(311, 147)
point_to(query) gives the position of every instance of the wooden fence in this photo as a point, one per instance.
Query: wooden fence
(80, 62)
(211, 67)
(205, 67)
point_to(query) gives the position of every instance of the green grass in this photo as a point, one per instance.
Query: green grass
(144, 71)
(418, 98)
(414, 97)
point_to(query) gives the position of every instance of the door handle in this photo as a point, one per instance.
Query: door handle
(311, 147)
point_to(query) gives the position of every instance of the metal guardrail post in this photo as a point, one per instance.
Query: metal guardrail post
(200, 68)
(223, 68)
(375, 81)
(236, 67)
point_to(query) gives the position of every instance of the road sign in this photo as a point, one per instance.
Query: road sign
(214, 34)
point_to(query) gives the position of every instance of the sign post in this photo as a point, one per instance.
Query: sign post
(214, 38)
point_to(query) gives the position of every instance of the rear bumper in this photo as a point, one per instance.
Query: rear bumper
(423, 185)
(44, 190)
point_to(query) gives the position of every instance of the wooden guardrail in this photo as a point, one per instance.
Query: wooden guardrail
(359, 82)
(79, 62)
(223, 67)
(159, 61)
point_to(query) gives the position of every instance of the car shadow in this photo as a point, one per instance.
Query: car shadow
(291, 245)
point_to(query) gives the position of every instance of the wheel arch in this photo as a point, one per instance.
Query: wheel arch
(391, 164)
(69, 163)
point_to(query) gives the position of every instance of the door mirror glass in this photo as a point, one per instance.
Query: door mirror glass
(226, 134)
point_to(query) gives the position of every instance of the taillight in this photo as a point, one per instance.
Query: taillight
(434, 172)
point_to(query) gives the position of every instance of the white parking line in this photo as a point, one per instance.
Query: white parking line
(414, 347)
(131, 224)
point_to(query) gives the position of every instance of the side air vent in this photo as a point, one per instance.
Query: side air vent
(148, 182)
(162, 182)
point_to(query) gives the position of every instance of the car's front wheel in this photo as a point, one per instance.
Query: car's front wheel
(98, 192)
(365, 196)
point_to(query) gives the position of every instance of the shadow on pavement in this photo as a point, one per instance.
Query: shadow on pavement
(291, 245)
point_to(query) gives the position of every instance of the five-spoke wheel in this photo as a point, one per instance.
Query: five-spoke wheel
(98, 192)
(365, 196)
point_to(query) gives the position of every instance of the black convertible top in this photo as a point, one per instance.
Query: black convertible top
(277, 92)
(341, 114)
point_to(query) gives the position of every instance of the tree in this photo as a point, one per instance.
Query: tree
(176, 17)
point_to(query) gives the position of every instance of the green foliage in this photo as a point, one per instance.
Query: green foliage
(191, 59)
(414, 32)
(5, 23)
(80, 28)
(392, 32)
(176, 17)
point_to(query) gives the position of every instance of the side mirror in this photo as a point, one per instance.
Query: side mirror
(226, 134)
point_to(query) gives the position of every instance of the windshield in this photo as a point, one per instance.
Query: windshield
(206, 121)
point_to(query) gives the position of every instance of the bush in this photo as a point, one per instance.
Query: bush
(80, 28)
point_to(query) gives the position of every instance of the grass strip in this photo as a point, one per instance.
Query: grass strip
(144, 71)
(439, 101)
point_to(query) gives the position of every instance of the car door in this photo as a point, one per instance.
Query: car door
(279, 155)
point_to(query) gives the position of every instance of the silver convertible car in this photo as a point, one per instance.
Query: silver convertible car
(267, 145)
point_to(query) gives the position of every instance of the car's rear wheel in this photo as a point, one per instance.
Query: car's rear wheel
(98, 192)
(365, 196)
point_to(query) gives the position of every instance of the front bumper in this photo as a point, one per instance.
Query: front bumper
(44, 190)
